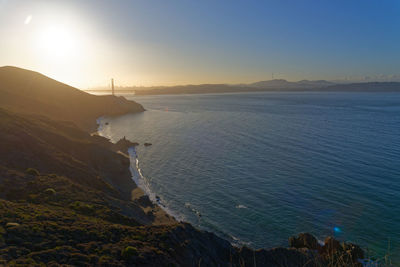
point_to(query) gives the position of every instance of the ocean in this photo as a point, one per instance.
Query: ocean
(256, 168)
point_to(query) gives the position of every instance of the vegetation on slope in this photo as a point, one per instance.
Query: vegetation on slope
(33, 93)
(66, 199)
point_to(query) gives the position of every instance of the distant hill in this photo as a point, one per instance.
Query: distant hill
(366, 87)
(271, 85)
(280, 83)
(190, 89)
(33, 93)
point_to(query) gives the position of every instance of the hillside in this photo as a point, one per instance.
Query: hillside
(67, 197)
(32, 93)
(64, 200)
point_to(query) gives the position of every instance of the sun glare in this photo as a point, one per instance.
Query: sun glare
(57, 44)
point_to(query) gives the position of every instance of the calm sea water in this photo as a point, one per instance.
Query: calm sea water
(259, 167)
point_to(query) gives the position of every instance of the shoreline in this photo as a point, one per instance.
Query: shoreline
(68, 197)
(118, 224)
(141, 182)
(317, 251)
(137, 177)
(142, 185)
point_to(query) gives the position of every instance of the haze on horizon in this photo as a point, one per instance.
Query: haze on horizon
(85, 43)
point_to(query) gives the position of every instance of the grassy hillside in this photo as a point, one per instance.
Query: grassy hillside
(33, 93)
(67, 197)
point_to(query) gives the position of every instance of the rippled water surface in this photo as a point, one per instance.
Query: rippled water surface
(259, 167)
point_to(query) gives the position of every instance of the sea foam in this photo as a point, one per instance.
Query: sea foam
(143, 183)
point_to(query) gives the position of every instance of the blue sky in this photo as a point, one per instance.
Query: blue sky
(180, 42)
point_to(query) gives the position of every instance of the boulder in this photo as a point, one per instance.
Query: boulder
(331, 246)
(304, 240)
(123, 145)
(354, 251)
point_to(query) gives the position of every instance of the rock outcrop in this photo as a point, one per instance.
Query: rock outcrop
(332, 251)
(304, 240)
(123, 145)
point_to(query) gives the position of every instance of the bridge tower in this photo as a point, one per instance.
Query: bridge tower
(112, 86)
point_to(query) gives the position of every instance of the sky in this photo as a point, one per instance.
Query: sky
(145, 43)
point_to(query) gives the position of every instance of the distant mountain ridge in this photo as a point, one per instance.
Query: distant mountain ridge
(281, 83)
(275, 83)
(260, 86)
(271, 85)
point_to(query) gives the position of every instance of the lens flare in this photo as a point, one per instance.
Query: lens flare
(28, 19)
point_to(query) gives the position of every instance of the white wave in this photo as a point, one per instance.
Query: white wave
(99, 125)
(144, 184)
(136, 172)
(238, 242)
(241, 207)
(195, 211)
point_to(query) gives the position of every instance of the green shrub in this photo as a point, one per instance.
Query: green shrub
(82, 207)
(50, 192)
(129, 252)
(32, 171)
(105, 260)
(139, 237)
(12, 224)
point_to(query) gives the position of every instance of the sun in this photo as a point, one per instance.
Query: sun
(57, 44)
(60, 51)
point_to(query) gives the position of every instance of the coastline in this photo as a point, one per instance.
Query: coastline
(142, 183)
(68, 197)
(303, 248)
(142, 194)
(143, 189)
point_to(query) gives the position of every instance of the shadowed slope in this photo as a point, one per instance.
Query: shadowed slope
(33, 93)
(61, 148)
(64, 150)
(71, 206)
